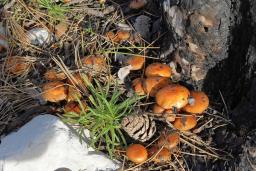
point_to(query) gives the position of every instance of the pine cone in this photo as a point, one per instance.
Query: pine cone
(139, 127)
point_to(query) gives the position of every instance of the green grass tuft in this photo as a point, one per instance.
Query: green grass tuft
(103, 119)
(55, 11)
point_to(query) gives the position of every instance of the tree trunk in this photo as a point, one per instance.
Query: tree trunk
(214, 44)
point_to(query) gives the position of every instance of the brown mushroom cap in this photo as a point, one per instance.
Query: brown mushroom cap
(137, 153)
(61, 29)
(158, 110)
(169, 140)
(163, 156)
(185, 123)
(54, 91)
(75, 107)
(158, 69)
(198, 102)
(172, 96)
(111, 36)
(98, 62)
(78, 80)
(153, 84)
(136, 61)
(17, 65)
(138, 87)
(169, 115)
(73, 94)
(137, 4)
(123, 35)
(53, 75)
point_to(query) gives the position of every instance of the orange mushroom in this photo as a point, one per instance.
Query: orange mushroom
(78, 80)
(17, 65)
(169, 115)
(138, 87)
(73, 94)
(111, 36)
(137, 153)
(185, 123)
(153, 84)
(97, 62)
(54, 91)
(61, 29)
(162, 156)
(169, 140)
(172, 96)
(53, 75)
(123, 35)
(197, 103)
(136, 61)
(158, 110)
(75, 107)
(158, 69)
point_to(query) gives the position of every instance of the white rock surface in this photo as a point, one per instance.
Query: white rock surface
(46, 144)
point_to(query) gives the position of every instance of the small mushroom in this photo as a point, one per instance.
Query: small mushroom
(169, 115)
(111, 36)
(158, 69)
(185, 123)
(73, 94)
(123, 35)
(163, 156)
(138, 87)
(53, 75)
(75, 107)
(169, 140)
(17, 65)
(61, 29)
(96, 62)
(54, 91)
(137, 4)
(158, 110)
(136, 61)
(153, 84)
(172, 96)
(197, 103)
(137, 153)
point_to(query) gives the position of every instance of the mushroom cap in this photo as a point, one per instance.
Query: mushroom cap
(97, 62)
(17, 65)
(137, 4)
(78, 80)
(153, 84)
(170, 115)
(53, 75)
(158, 69)
(54, 91)
(163, 156)
(198, 102)
(158, 109)
(111, 36)
(61, 29)
(73, 94)
(123, 35)
(185, 123)
(73, 106)
(172, 96)
(137, 153)
(136, 61)
(138, 87)
(169, 140)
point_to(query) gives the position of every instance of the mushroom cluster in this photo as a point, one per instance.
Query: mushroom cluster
(174, 102)
(160, 152)
(61, 87)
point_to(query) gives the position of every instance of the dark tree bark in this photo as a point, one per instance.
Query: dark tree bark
(214, 43)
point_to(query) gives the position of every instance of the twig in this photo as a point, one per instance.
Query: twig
(9, 5)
